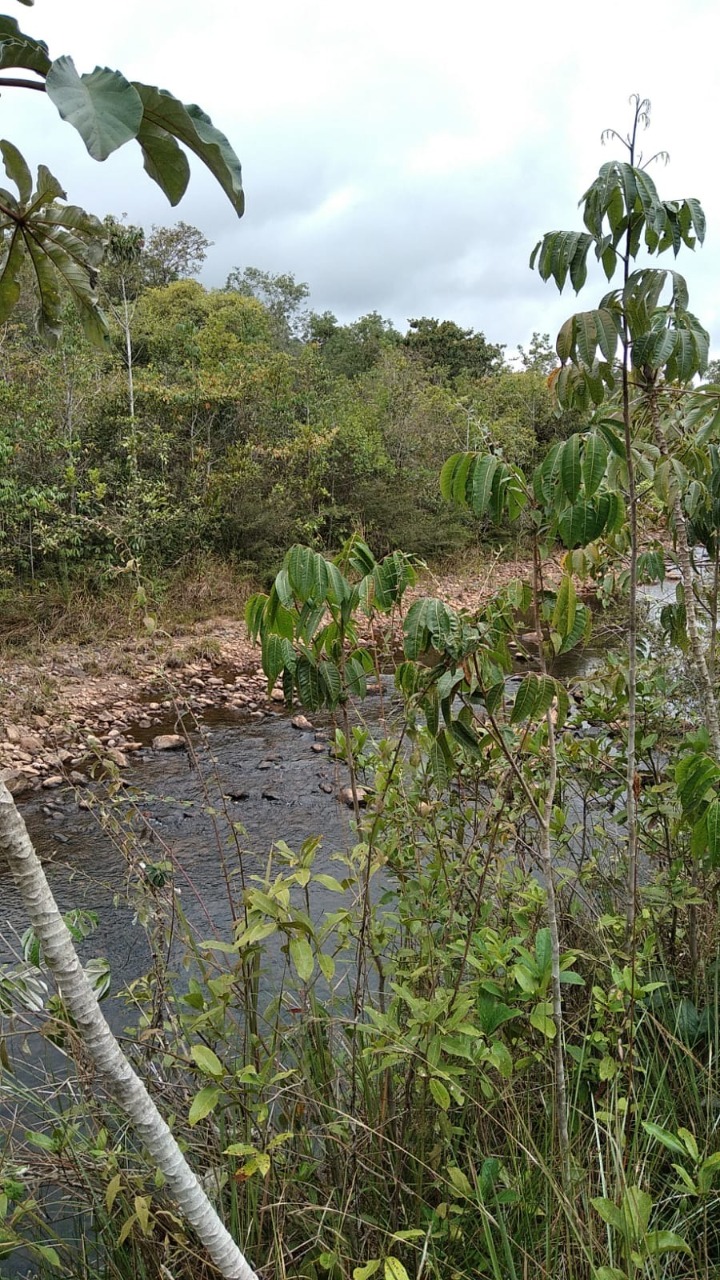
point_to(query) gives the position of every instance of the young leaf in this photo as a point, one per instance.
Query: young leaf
(203, 1103)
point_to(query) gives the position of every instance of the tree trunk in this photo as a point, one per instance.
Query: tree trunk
(122, 1082)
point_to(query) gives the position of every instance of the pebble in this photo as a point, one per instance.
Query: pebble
(301, 722)
(55, 780)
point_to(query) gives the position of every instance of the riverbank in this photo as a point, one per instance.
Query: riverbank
(65, 706)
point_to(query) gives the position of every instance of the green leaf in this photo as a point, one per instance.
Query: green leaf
(104, 107)
(207, 1061)
(302, 958)
(307, 573)
(10, 269)
(192, 127)
(17, 170)
(24, 52)
(664, 1136)
(713, 831)
(394, 1269)
(308, 683)
(203, 1103)
(657, 1242)
(570, 467)
(164, 161)
(542, 1020)
(563, 619)
(594, 463)
(364, 1273)
(482, 482)
(525, 700)
(609, 1212)
(439, 1093)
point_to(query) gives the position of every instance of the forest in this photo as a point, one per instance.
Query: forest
(234, 422)
(477, 1032)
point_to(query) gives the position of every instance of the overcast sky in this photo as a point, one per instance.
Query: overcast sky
(399, 157)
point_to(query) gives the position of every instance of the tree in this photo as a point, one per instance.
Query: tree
(172, 253)
(283, 296)
(451, 351)
(624, 215)
(352, 349)
(64, 246)
(540, 356)
(121, 282)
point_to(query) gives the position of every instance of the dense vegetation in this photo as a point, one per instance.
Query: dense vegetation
(498, 1054)
(229, 422)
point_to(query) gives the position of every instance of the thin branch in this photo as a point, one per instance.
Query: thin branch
(13, 82)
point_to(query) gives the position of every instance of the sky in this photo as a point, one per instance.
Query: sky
(399, 157)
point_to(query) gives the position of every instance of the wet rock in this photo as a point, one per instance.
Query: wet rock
(268, 794)
(301, 722)
(237, 795)
(168, 742)
(265, 764)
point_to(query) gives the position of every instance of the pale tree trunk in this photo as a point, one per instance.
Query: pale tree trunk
(120, 1078)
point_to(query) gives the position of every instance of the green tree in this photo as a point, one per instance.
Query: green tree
(352, 349)
(448, 350)
(623, 216)
(172, 253)
(283, 295)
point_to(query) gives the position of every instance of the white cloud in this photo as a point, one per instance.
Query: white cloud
(395, 156)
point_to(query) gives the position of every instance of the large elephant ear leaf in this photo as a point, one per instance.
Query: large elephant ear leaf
(195, 130)
(164, 161)
(103, 106)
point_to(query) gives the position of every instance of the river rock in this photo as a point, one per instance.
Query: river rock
(318, 746)
(168, 742)
(55, 780)
(118, 757)
(345, 794)
(268, 794)
(301, 722)
(15, 781)
(238, 794)
(277, 695)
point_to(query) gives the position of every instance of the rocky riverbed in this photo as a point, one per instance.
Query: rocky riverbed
(69, 711)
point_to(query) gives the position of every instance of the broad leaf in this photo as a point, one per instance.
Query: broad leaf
(482, 483)
(164, 161)
(103, 106)
(192, 127)
(594, 462)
